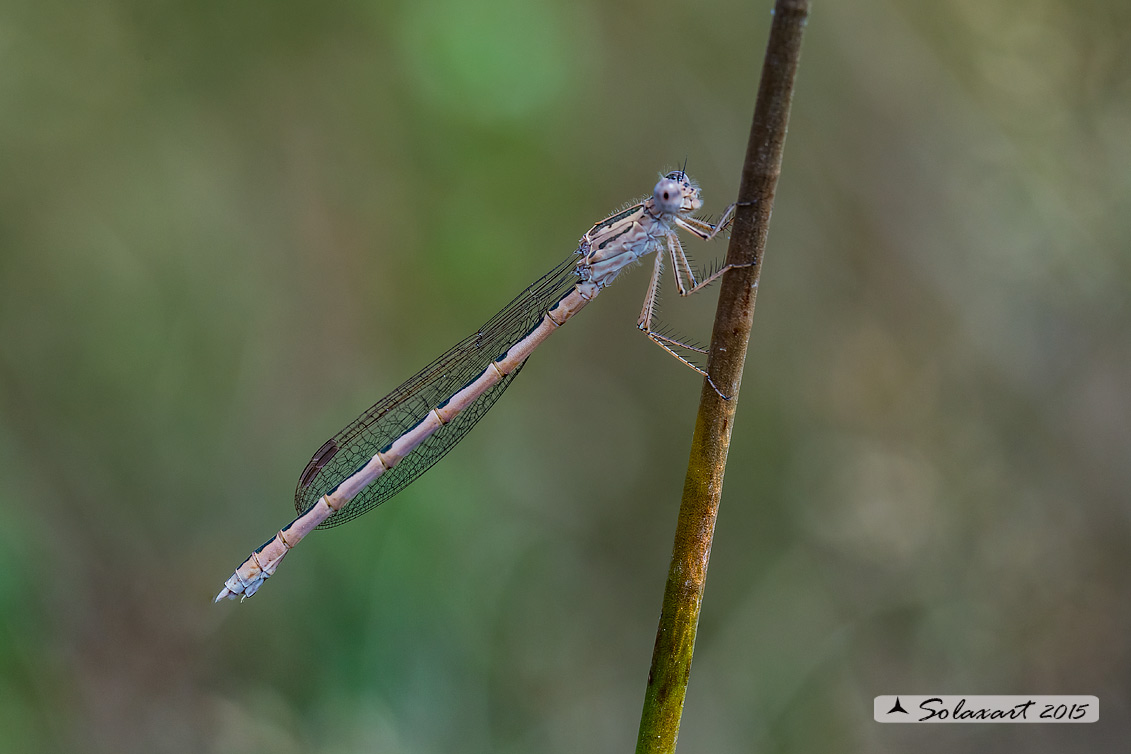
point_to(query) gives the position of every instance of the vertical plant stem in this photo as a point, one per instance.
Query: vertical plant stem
(683, 595)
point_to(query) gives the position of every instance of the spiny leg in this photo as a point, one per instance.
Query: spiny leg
(704, 230)
(657, 336)
(645, 323)
(660, 341)
(680, 266)
(652, 301)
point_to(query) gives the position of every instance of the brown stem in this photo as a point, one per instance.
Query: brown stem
(683, 595)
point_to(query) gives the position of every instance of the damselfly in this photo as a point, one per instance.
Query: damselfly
(411, 428)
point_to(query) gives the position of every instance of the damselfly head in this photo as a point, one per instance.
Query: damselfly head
(676, 194)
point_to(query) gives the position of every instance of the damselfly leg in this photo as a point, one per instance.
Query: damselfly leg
(686, 284)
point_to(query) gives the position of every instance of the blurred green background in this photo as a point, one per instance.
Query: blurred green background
(226, 228)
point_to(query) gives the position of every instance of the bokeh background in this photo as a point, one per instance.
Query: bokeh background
(227, 228)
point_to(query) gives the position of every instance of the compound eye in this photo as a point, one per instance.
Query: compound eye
(668, 196)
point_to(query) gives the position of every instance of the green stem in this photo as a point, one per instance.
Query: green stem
(683, 595)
